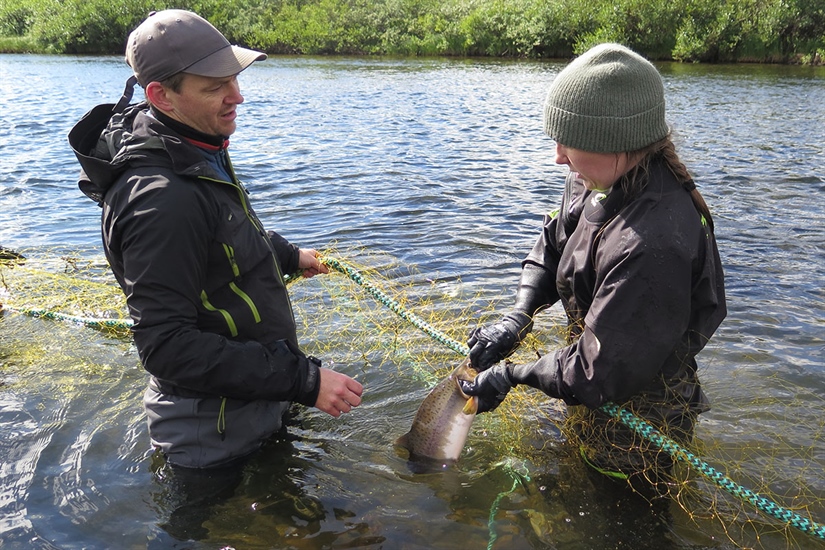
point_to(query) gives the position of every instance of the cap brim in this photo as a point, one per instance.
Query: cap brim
(225, 62)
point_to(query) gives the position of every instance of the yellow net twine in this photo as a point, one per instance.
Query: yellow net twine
(337, 318)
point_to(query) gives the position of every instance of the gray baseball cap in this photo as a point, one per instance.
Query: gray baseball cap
(173, 41)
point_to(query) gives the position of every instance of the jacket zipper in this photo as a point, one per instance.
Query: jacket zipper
(230, 322)
(230, 255)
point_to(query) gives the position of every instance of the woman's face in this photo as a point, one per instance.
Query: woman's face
(598, 170)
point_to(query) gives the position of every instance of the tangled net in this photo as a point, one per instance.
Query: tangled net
(78, 293)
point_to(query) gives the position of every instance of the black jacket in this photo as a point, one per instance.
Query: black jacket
(641, 282)
(203, 280)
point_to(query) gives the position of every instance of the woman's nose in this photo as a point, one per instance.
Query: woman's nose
(561, 154)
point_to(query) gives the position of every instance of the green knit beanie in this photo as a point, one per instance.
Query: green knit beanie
(608, 100)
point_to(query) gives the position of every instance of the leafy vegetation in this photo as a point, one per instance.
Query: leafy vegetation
(784, 31)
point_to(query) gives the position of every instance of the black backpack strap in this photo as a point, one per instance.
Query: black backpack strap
(84, 137)
(126, 98)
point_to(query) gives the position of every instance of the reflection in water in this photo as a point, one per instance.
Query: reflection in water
(269, 496)
(186, 498)
(18, 447)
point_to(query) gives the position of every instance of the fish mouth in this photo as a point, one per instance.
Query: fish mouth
(471, 406)
(458, 380)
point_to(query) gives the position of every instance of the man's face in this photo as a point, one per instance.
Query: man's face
(206, 104)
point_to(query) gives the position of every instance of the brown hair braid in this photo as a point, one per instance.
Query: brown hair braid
(636, 180)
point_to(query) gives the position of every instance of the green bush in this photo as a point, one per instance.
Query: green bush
(637, 24)
(687, 30)
(87, 26)
(15, 20)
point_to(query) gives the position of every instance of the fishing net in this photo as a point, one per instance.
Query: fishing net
(65, 321)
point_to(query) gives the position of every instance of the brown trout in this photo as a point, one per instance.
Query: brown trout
(442, 423)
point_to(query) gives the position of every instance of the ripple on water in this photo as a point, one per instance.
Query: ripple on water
(441, 165)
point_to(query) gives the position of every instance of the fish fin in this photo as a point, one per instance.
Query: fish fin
(402, 446)
(471, 406)
(403, 441)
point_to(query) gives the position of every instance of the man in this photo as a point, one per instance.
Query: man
(204, 282)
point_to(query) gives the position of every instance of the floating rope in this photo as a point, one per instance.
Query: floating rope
(629, 419)
(397, 308)
(101, 324)
(680, 453)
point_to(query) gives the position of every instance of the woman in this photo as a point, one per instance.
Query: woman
(632, 256)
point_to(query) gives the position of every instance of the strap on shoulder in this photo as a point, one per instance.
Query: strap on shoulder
(126, 98)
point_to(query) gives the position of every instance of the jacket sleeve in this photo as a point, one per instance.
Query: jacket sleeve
(287, 252)
(537, 283)
(556, 229)
(161, 231)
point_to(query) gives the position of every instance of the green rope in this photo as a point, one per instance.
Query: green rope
(491, 527)
(680, 453)
(91, 322)
(397, 308)
(107, 324)
(459, 348)
(629, 419)
(517, 480)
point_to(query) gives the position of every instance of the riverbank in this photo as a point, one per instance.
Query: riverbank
(770, 31)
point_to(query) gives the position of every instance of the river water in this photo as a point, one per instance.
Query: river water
(439, 165)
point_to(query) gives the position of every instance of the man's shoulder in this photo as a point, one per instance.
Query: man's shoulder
(159, 189)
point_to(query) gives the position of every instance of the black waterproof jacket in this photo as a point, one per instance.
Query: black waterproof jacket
(642, 284)
(203, 280)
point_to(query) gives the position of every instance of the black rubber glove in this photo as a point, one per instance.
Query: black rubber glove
(490, 387)
(492, 343)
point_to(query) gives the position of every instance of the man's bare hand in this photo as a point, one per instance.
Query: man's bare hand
(338, 394)
(310, 264)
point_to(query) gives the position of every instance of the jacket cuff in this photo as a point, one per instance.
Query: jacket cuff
(543, 375)
(311, 386)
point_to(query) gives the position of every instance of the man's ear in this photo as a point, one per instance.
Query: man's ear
(157, 96)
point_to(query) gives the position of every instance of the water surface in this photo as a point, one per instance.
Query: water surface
(440, 165)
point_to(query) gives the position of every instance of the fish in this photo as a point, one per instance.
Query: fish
(443, 420)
